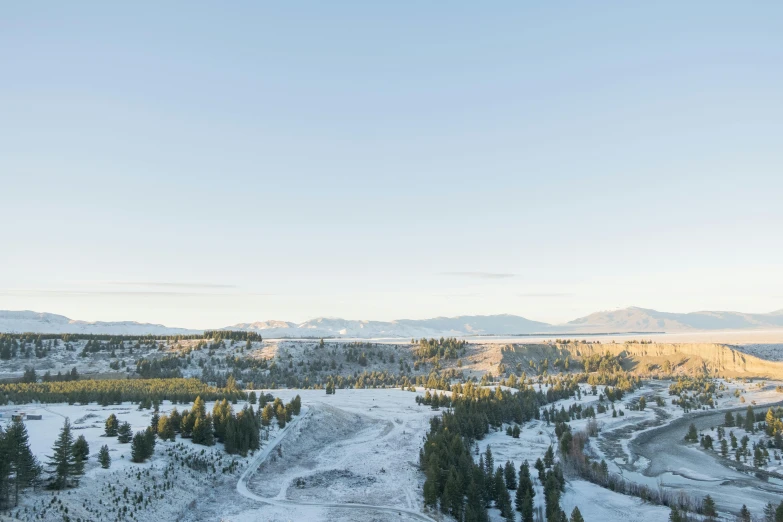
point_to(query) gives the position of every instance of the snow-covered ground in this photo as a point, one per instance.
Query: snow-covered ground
(175, 478)
(353, 456)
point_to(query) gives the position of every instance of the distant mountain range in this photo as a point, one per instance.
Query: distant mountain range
(27, 321)
(633, 319)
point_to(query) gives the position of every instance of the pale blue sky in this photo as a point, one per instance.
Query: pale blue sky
(202, 165)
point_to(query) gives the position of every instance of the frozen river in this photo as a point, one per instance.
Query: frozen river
(679, 465)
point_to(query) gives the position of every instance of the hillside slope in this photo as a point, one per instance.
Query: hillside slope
(636, 319)
(27, 321)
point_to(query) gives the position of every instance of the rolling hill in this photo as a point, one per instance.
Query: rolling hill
(633, 319)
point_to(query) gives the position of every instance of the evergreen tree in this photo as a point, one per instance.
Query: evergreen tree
(539, 465)
(62, 460)
(452, 499)
(166, 428)
(20, 459)
(281, 416)
(149, 438)
(502, 498)
(779, 512)
(576, 516)
(551, 496)
(489, 461)
(252, 399)
(231, 437)
(750, 420)
(267, 414)
(124, 433)
(139, 447)
(103, 457)
(510, 474)
(202, 430)
(81, 452)
(708, 508)
(175, 419)
(154, 421)
(693, 434)
(525, 506)
(5, 466)
(769, 512)
(112, 425)
(549, 457)
(729, 420)
(744, 514)
(186, 426)
(474, 506)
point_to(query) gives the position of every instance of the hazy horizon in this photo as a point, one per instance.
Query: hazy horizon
(208, 166)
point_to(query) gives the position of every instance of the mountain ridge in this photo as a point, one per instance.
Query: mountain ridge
(626, 320)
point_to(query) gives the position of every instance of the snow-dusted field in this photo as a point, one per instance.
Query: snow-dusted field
(353, 456)
(184, 487)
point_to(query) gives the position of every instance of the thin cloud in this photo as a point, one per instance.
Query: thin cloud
(118, 293)
(553, 294)
(480, 275)
(167, 284)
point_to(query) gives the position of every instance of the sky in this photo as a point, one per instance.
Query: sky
(202, 164)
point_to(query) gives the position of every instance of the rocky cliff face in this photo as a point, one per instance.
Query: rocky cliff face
(644, 359)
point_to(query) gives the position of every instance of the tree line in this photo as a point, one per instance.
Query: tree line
(114, 391)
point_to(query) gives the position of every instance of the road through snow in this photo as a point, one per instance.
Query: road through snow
(264, 454)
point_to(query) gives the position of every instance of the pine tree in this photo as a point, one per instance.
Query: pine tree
(103, 457)
(744, 514)
(474, 506)
(186, 426)
(81, 452)
(267, 414)
(175, 419)
(451, 500)
(139, 447)
(502, 498)
(166, 428)
(489, 462)
(124, 433)
(20, 458)
(231, 437)
(154, 421)
(510, 474)
(693, 434)
(112, 425)
(202, 431)
(779, 512)
(576, 516)
(549, 457)
(149, 438)
(252, 399)
(539, 465)
(526, 507)
(708, 507)
(769, 512)
(62, 458)
(750, 420)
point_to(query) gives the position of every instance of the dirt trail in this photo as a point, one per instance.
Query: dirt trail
(252, 467)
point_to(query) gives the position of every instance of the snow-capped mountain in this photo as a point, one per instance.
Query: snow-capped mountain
(634, 319)
(27, 321)
(404, 328)
(631, 319)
